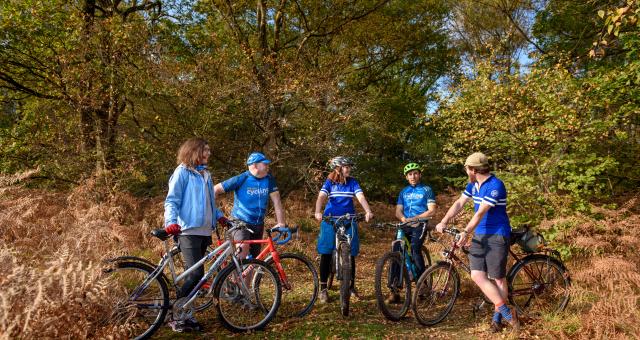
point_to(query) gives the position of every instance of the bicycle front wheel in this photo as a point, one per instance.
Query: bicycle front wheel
(539, 285)
(344, 253)
(138, 307)
(300, 289)
(393, 287)
(249, 297)
(436, 293)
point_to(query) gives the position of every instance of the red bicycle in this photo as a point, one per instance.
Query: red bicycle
(297, 273)
(539, 283)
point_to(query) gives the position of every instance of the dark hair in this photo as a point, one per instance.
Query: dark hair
(191, 152)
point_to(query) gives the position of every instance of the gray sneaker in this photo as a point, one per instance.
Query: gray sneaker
(324, 296)
(179, 326)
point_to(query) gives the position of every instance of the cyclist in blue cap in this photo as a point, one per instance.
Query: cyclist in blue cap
(252, 190)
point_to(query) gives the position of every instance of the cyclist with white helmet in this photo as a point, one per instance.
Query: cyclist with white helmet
(339, 189)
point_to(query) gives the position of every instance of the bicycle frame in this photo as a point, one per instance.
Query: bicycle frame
(406, 252)
(267, 253)
(220, 254)
(451, 257)
(341, 236)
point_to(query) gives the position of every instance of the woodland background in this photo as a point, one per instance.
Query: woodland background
(97, 95)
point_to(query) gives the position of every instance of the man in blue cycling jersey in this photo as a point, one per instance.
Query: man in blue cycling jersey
(490, 243)
(252, 190)
(415, 201)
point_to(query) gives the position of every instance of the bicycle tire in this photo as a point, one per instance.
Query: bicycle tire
(426, 256)
(403, 290)
(332, 272)
(123, 278)
(228, 294)
(436, 293)
(302, 276)
(344, 252)
(538, 285)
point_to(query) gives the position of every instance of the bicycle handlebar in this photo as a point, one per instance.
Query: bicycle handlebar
(401, 224)
(287, 232)
(336, 219)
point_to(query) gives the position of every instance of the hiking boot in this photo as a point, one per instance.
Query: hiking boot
(324, 296)
(393, 298)
(193, 324)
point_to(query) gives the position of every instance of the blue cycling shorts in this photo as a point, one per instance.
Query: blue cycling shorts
(327, 238)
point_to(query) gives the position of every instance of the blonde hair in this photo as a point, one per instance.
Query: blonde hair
(191, 152)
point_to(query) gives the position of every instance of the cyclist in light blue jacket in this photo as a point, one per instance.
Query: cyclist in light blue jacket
(190, 214)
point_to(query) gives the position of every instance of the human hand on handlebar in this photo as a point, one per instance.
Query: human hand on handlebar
(368, 216)
(318, 216)
(173, 229)
(440, 227)
(463, 239)
(223, 221)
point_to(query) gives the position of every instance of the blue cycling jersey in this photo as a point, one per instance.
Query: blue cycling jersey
(494, 193)
(251, 196)
(340, 196)
(415, 199)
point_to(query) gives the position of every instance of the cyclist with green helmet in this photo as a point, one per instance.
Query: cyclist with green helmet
(415, 201)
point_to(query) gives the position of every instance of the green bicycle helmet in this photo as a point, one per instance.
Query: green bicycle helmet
(410, 167)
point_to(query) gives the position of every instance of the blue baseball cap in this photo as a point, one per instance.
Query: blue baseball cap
(257, 157)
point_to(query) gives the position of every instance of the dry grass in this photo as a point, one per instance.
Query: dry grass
(606, 282)
(53, 243)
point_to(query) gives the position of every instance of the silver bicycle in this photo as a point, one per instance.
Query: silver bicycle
(246, 293)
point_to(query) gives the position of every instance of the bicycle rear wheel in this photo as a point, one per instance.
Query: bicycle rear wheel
(344, 253)
(392, 281)
(239, 310)
(539, 285)
(140, 310)
(301, 287)
(436, 293)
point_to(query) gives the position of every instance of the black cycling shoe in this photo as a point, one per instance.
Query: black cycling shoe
(194, 325)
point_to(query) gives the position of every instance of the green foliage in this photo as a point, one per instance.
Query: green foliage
(547, 129)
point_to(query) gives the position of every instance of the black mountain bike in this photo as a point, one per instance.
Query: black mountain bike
(395, 271)
(341, 260)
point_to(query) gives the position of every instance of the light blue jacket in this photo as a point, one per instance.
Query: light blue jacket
(186, 201)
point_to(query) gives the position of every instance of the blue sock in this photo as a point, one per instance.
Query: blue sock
(506, 312)
(497, 317)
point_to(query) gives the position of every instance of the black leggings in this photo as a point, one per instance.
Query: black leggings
(193, 248)
(325, 270)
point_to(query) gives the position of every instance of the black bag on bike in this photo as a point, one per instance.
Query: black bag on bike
(529, 241)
